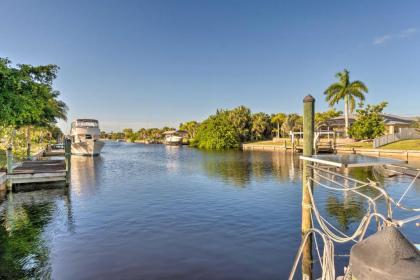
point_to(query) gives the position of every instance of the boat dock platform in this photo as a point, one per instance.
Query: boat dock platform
(33, 174)
(54, 153)
(38, 173)
(319, 148)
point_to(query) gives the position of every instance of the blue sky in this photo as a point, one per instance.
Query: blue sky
(154, 63)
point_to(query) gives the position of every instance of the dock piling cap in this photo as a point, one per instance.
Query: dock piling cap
(308, 98)
(385, 255)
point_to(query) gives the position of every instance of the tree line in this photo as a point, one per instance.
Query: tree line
(228, 128)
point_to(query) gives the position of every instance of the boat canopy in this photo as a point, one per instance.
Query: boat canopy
(85, 123)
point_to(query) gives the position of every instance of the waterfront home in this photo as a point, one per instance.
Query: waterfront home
(393, 123)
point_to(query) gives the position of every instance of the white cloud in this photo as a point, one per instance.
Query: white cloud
(382, 39)
(402, 35)
(408, 32)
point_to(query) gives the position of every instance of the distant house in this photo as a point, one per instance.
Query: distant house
(393, 123)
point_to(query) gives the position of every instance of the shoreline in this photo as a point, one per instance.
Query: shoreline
(400, 154)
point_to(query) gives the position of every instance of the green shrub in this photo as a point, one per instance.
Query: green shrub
(369, 123)
(217, 133)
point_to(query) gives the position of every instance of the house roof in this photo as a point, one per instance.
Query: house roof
(389, 119)
(394, 119)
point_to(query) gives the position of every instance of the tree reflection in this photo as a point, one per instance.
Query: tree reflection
(351, 208)
(24, 253)
(346, 211)
(260, 165)
(232, 167)
(239, 167)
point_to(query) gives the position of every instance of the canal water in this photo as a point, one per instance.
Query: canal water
(158, 212)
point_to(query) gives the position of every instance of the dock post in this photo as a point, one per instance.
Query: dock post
(308, 150)
(9, 165)
(28, 151)
(28, 142)
(67, 155)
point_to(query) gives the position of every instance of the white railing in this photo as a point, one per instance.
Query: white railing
(404, 134)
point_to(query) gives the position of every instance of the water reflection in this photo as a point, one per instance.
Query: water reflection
(345, 211)
(243, 167)
(85, 173)
(172, 157)
(231, 167)
(24, 252)
(285, 166)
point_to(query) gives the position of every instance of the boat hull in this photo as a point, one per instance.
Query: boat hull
(87, 148)
(173, 140)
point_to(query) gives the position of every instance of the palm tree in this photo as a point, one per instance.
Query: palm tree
(278, 119)
(348, 91)
(260, 125)
(291, 122)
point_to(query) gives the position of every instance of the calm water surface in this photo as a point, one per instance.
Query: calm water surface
(156, 212)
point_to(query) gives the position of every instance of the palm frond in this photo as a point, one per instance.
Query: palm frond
(334, 93)
(359, 85)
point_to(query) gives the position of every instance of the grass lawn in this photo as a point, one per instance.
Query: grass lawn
(404, 145)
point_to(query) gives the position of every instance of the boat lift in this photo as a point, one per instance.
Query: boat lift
(296, 136)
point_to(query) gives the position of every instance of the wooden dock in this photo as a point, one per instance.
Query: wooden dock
(320, 148)
(54, 153)
(39, 172)
(45, 172)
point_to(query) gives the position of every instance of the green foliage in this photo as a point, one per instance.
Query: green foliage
(322, 117)
(190, 127)
(217, 133)
(241, 119)
(416, 123)
(261, 128)
(129, 135)
(228, 128)
(116, 136)
(18, 138)
(293, 122)
(369, 123)
(27, 97)
(345, 90)
(278, 119)
(103, 135)
(56, 133)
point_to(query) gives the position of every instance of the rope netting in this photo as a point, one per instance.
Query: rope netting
(330, 180)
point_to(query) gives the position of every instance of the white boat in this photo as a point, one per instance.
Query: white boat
(173, 137)
(85, 135)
